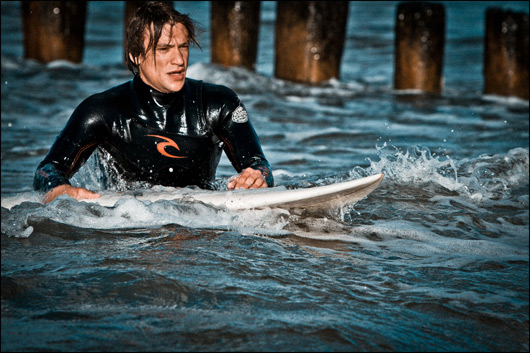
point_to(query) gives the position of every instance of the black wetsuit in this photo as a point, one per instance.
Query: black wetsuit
(173, 139)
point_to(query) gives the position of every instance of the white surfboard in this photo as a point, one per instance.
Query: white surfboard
(311, 198)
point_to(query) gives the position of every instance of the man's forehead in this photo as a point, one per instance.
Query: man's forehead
(170, 32)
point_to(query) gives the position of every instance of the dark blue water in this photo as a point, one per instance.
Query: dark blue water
(436, 259)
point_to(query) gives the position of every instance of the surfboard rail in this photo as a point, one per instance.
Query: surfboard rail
(317, 197)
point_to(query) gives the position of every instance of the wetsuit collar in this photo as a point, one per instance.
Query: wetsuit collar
(162, 99)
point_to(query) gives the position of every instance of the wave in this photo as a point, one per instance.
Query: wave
(415, 174)
(480, 178)
(30, 215)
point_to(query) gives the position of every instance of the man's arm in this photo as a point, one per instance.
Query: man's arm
(243, 148)
(69, 152)
(48, 178)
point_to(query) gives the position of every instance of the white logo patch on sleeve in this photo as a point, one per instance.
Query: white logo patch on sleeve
(240, 115)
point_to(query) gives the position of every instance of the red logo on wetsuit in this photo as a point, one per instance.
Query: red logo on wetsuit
(162, 145)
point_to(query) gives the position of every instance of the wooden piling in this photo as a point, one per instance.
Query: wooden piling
(419, 47)
(309, 40)
(128, 14)
(234, 33)
(506, 53)
(54, 30)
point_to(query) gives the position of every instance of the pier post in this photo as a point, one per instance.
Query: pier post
(234, 33)
(54, 30)
(506, 53)
(128, 14)
(419, 47)
(309, 40)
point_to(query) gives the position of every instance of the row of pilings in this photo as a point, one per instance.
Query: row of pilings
(310, 38)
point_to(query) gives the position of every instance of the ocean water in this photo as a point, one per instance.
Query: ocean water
(435, 259)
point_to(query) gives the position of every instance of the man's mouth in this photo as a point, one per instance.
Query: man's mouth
(176, 73)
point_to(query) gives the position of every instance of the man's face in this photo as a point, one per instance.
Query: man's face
(168, 73)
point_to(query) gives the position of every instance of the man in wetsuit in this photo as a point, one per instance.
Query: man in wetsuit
(160, 128)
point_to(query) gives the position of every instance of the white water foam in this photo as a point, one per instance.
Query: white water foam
(132, 213)
(482, 178)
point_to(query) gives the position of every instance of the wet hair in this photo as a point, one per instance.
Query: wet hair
(153, 15)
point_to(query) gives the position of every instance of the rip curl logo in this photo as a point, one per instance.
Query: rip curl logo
(161, 146)
(239, 115)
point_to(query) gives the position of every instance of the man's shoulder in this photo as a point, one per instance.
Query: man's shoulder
(111, 94)
(103, 104)
(213, 92)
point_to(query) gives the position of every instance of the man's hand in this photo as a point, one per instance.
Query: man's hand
(75, 192)
(247, 179)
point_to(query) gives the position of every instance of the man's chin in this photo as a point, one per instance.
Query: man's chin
(176, 86)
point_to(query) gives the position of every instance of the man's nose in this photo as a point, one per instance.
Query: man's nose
(178, 57)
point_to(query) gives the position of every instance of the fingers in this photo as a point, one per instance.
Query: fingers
(56, 192)
(75, 192)
(248, 179)
(86, 194)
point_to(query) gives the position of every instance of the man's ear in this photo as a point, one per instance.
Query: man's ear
(135, 61)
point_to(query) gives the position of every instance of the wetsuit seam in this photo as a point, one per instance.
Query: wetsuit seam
(227, 142)
(78, 155)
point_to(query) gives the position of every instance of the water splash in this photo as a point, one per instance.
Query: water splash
(416, 165)
(482, 178)
(413, 174)
(129, 213)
